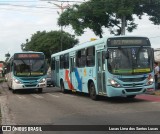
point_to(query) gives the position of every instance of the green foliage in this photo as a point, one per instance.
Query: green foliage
(98, 14)
(152, 8)
(49, 42)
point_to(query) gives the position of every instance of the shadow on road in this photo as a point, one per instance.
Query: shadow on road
(108, 99)
(79, 94)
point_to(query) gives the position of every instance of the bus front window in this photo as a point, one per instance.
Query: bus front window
(29, 67)
(129, 60)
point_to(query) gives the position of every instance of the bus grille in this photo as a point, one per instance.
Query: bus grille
(30, 85)
(133, 90)
(133, 85)
(132, 79)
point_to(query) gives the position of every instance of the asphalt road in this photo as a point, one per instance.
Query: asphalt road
(55, 108)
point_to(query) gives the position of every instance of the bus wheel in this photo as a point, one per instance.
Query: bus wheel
(62, 87)
(13, 91)
(39, 90)
(9, 88)
(92, 91)
(131, 96)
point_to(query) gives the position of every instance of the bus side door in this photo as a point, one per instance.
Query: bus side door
(72, 73)
(101, 81)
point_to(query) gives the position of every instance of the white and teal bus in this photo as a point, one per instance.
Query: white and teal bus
(26, 70)
(115, 66)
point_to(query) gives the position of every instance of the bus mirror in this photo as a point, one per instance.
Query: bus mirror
(107, 54)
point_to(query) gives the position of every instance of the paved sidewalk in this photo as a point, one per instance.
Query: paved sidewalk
(150, 96)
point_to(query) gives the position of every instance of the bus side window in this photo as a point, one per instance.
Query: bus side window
(66, 61)
(90, 53)
(81, 58)
(78, 58)
(53, 64)
(61, 62)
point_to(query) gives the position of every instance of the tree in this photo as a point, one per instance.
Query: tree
(49, 42)
(116, 15)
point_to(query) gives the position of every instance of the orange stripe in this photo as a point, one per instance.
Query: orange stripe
(68, 80)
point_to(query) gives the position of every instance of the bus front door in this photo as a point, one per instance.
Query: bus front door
(101, 81)
(57, 74)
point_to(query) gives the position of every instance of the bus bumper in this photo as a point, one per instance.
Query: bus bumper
(113, 92)
(27, 86)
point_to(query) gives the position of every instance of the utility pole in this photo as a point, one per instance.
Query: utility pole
(123, 21)
(123, 25)
(62, 9)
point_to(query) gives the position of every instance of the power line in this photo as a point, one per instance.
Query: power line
(43, 0)
(44, 11)
(27, 6)
(63, 1)
(20, 1)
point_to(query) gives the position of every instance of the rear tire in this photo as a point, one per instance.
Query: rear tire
(92, 91)
(14, 91)
(9, 88)
(62, 87)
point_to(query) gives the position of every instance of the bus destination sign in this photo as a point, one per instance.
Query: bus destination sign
(128, 41)
(28, 56)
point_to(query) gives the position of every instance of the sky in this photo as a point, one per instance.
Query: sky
(20, 19)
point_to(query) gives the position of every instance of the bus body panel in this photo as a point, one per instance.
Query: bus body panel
(18, 79)
(29, 83)
(79, 78)
(130, 87)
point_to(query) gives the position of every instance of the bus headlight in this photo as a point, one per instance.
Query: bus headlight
(42, 80)
(114, 83)
(16, 81)
(150, 80)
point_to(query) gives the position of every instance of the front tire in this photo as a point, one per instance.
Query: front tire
(10, 88)
(39, 90)
(92, 91)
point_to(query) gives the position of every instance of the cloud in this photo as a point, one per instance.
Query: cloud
(19, 23)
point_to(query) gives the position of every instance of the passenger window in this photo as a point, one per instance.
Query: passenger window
(90, 61)
(81, 58)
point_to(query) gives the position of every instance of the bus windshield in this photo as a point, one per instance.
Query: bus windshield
(128, 61)
(29, 67)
